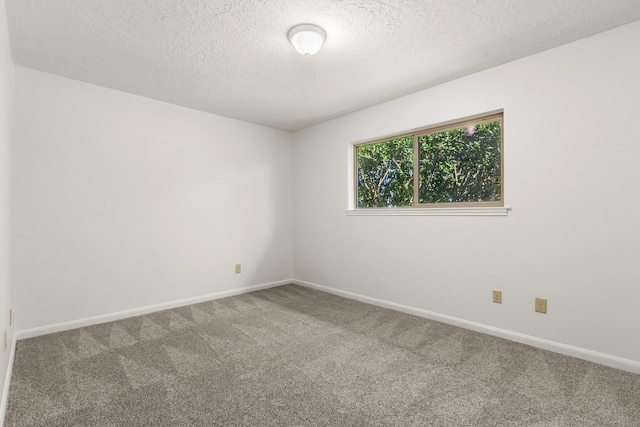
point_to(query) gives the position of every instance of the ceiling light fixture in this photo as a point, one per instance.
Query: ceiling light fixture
(307, 38)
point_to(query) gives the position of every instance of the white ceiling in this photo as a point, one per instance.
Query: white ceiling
(232, 57)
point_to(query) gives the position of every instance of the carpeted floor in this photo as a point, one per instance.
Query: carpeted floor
(292, 356)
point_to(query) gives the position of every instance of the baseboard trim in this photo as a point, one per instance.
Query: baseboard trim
(110, 317)
(568, 350)
(5, 390)
(556, 347)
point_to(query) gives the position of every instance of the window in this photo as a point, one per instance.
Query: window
(458, 165)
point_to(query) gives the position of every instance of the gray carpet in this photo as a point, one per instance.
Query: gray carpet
(292, 356)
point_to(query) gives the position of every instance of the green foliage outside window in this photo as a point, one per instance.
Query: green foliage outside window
(385, 173)
(461, 165)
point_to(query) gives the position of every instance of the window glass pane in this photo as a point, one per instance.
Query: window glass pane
(385, 173)
(461, 165)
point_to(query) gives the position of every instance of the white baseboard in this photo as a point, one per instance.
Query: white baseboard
(5, 390)
(110, 317)
(567, 350)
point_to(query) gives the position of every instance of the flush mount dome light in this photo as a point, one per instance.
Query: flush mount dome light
(307, 38)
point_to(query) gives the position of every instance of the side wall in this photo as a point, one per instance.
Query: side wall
(572, 171)
(6, 118)
(122, 202)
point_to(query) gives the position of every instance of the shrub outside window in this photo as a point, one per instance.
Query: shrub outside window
(457, 165)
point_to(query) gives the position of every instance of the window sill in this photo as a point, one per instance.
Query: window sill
(478, 211)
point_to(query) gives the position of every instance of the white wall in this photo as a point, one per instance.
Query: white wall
(122, 202)
(6, 112)
(572, 150)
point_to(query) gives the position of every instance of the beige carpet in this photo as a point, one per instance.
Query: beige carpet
(291, 356)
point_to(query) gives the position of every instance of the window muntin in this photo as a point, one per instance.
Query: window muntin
(459, 165)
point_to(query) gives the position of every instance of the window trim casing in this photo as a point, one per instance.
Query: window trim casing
(432, 209)
(411, 211)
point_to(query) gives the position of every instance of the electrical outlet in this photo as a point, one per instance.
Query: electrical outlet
(541, 305)
(497, 297)
(238, 268)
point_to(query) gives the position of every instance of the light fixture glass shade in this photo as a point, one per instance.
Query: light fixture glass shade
(307, 38)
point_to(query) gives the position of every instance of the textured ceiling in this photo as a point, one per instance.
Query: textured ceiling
(232, 57)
